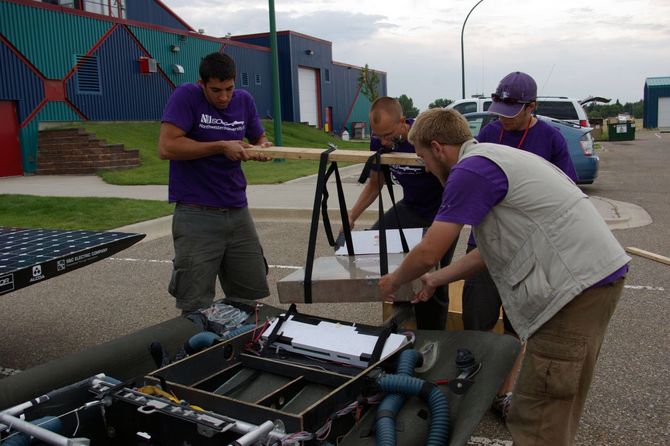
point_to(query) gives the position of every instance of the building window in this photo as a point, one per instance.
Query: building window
(326, 76)
(111, 8)
(257, 78)
(245, 79)
(88, 74)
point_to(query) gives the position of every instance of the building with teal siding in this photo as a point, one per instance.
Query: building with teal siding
(657, 102)
(111, 60)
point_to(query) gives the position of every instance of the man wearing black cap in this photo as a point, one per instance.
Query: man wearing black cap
(514, 102)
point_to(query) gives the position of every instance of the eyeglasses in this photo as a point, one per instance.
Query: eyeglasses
(497, 98)
(390, 136)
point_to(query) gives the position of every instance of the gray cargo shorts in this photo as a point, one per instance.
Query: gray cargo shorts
(208, 243)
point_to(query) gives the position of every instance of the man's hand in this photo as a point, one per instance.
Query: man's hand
(261, 156)
(351, 227)
(234, 150)
(427, 291)
(387, 287)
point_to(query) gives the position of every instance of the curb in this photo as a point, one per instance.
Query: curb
(162, 227)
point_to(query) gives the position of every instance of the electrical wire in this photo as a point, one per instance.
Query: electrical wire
(73, 411)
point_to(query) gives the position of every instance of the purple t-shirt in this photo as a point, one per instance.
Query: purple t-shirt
(542, 139)
(474, 186)
(214, 180)
(422, 191)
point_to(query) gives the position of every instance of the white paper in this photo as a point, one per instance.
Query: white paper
(331, 341)
(367, 242)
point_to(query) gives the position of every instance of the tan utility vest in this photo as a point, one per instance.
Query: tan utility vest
(545, 242)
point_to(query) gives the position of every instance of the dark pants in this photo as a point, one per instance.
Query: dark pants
(432, 314)
(482, 303)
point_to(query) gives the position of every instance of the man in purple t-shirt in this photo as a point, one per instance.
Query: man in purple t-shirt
(422, 194)
(560, 300)
(202, 132)
(514, 102)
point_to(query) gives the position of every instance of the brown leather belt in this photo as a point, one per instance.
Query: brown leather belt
(203, 207)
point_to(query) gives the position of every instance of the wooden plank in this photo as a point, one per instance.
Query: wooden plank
(339, 155)
(648, 255)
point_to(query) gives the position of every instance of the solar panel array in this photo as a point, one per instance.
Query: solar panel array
(29, 256)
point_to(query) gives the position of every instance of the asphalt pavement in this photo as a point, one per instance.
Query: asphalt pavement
(629, 399)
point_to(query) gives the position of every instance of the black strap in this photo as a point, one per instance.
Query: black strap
(389, 186)
(311, 246)
(346, 228)
(379, 345)
(383, 249)
(324, 205)
(368, 164)
(274, 334)
(386, 173)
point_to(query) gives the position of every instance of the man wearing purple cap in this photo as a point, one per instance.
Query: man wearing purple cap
(533, 226)
(202, 132)
(514, 102)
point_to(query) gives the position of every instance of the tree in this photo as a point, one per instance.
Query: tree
(610, 110)
(408, 108)
(440, 103)
(368, 80)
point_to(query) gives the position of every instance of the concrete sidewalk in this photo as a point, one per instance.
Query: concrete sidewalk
(291, 200)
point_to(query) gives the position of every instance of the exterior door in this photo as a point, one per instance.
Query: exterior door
(329, 120)
(663, 112)
(307, 92)
(10, 149)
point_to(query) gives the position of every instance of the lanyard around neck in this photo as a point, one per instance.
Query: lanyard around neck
(523, 138)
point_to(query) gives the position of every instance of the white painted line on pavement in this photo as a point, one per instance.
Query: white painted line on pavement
(128, 259)
(483, 441)
(644, 287)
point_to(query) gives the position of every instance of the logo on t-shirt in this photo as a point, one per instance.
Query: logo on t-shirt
(210, 122)
(397, 169)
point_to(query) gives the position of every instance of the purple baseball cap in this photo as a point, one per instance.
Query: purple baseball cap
(514, 91)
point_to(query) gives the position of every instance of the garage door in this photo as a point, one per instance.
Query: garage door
(664, 112)
(309, 109)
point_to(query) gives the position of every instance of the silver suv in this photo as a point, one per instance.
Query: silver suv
(557, 107)
(563, 108)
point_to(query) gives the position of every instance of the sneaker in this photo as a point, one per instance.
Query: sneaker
(501, 404)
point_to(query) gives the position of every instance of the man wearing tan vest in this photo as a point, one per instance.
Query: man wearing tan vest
(558, 268)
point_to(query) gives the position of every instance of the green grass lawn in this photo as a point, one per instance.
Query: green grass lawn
(97, 214)
(144, 137)
(108, 213)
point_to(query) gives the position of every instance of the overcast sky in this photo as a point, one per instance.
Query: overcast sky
(572, 48)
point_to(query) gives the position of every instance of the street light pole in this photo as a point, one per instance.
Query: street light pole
(462, 54)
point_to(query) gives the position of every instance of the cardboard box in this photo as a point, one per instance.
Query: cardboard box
(455, 318)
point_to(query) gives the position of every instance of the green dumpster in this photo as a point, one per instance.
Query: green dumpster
(621, 131)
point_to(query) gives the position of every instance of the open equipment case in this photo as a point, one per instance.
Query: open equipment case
(434, 389)
(264, 383)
